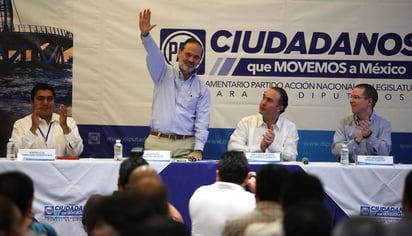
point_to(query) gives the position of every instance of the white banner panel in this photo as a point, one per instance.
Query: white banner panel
(316, 50)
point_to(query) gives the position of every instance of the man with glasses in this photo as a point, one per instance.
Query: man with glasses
(364, 132)
(267, 131)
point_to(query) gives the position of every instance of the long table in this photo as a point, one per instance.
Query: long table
(62, 187)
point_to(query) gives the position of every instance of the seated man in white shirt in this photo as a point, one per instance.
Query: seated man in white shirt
(267, 131)
(45, 129)
(211, 205)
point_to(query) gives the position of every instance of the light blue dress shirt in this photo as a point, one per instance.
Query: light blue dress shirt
(179, 106)
(379, 143)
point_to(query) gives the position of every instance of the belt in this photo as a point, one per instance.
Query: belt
(170, 136)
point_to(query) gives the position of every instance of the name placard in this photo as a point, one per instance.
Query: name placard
(153, 155)
(37, 154)
(374, 160)
(263, 157)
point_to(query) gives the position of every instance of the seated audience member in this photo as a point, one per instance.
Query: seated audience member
(144, 171)
(364, 132)
(119, 214)
(10, 218)
(163, 226)
(267, 131)
(404, 226)
(360, 226)
(154, 191)
(307, 218)
(19, 187)
(298, 187)
(89, 211)
(269, 182)
(126, 167)
(211, 205)
(44, 129)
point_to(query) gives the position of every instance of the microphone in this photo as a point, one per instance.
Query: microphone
(305, 160)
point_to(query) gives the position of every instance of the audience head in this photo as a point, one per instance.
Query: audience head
(89, 211)
(126, 167)
(301, 186)
(119, 214)
(145, 182)
(407, 194)
(141, 172)
(233, 167)
(163, 226)
(307, 218)
(20, 188)
(153, 191)
(269, 182)
(360, 226)
(10, 218)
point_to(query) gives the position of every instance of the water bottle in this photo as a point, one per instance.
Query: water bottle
(11, 150)
(344, 155)
(118, 150)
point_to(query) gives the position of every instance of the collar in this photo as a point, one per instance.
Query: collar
(181, 77)
(260, 121)
(371, 118)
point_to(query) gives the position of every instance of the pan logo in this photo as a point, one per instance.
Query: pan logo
(171, 40)
(93, 138)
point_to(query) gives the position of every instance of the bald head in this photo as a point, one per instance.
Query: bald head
(151, 188)
(141, 172)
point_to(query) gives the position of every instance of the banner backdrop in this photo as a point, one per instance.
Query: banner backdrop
(316, 50)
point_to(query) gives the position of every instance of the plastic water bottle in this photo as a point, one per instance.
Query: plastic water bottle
(344, 155)
(118, 150)
(11, 150)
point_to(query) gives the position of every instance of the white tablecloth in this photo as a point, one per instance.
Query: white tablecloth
(62, 187)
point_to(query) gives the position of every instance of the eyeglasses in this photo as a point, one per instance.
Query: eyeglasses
(356, 97)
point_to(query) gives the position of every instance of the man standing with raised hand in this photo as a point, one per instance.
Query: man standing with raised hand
(267, 131)
(181, 101)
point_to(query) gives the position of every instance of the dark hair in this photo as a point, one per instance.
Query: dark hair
(164, 226)
(360, 226)
(284, 99)
(127, 166)
(301, 186)
(18, 187)
(233, 167)
(89, 211)
(408, 188)
(309, 218)
(369, 92)
(270, 180)
(124, 211)
(191, 40)
(7, 214)
(41, 86)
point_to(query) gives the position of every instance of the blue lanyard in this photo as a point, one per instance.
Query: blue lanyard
(48, 132)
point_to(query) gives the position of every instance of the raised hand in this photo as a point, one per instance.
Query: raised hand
(144, 22)
(267, 139)
(35, 120)
(365, 127)
(63, 119)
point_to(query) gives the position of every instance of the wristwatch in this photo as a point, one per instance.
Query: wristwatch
(367, 136)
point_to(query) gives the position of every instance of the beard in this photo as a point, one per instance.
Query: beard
(187, 68)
